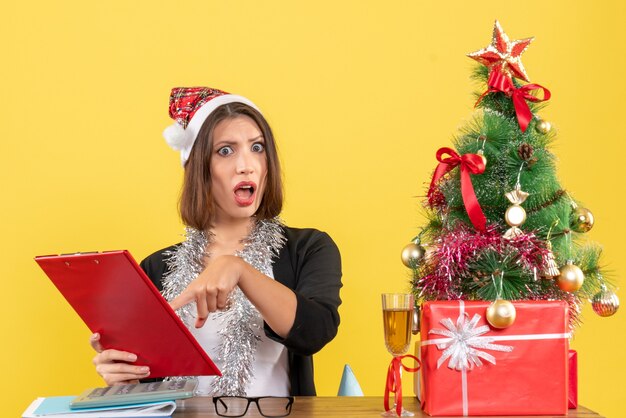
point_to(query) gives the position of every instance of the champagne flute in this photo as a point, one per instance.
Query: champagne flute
(397, 321)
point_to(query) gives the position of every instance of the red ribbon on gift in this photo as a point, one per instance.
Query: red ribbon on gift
(394, 381)
(470, 164)
(500, 82)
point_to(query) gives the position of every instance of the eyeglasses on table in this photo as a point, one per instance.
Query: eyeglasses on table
(268, 406)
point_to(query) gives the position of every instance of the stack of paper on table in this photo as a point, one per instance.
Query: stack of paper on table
(59, 407)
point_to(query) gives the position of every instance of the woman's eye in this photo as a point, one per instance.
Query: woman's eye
(225, 151)
(258, 147)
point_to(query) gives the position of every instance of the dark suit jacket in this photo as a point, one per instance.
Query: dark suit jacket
(309, 263)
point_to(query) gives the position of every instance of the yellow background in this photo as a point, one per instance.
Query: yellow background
(360, 93)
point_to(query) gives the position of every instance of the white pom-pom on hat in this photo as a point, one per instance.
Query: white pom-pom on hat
(178, 137)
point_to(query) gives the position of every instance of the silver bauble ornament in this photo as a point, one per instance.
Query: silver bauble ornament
(605, 302)
(501, 313)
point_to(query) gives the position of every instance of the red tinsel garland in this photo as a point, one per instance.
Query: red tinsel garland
(456, 248)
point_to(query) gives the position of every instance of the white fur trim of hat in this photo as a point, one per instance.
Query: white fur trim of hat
(182, 138)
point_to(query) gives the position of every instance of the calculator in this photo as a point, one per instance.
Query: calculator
(135, 393)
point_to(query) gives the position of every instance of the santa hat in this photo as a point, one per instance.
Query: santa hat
(189, 107)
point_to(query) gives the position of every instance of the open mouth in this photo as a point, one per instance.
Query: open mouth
(244, 193)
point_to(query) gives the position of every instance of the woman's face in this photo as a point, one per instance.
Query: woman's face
(238, 168)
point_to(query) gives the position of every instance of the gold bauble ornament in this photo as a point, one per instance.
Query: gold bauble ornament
(543, 126)
(501, 313)
(412, 254)
(605, 302)
(515, 215)
(571, 278)
(581, 219)
(481, 153)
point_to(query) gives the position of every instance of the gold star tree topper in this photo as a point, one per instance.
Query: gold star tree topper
(503, 53)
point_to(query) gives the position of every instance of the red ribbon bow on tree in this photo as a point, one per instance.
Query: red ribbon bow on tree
(470, 164)
(394, 380)
(499, 81)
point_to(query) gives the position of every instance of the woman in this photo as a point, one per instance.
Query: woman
(261, 298)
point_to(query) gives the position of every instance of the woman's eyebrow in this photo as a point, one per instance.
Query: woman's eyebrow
(223, 142)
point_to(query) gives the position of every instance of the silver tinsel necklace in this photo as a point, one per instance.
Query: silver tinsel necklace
(239, 336)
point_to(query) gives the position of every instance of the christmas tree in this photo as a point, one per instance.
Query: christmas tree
(500, 225)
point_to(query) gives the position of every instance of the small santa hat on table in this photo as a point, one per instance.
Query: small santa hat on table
(189, 107)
